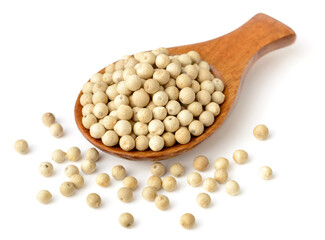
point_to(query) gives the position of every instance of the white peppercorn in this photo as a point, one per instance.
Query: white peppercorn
(162, 202)
(172, 92)
(100, 110)
(117, 76)
(200, 163)
(92, 154)
(185, 117)
(194, 179)
(46, 169)
(130, 182)
(261, 132)
(99, 97)
(122, 127)
(108, 78)
(44, 196)
(87, 109)
(131, 62)
(58, 156)
(218, 84)
(88, 166)
(195, 86)
(110, 68)
(207, 118)
(169, 184)
(113, 113)
(195, 56)
(221, 163)
(140, 128)
(103, 179)
(21, 146)
(48, 119)
(213, 107)
(208, 86)
(129, 72)
(119, 65)
(122, 89)
(204, 65)
(94, 200)
(77, 180)
(158, 169)
(187, 95)
(174, 69)
(191, 71)
(67, 189)
(119, 100)
(232, 188)
(127, 142)
(110, 138)
(88, 120)
(218, 97)
(151, 86)
(196, 128)
(100, 86)
(87, 87)
(141, 143)
(144, 115)
(195, 108)
(155, 182)
(161, 75)
(125, 194)
(70, 170)
(162, 60)
(147, 57)
(118, 172)
(183, 81)
(126, 220)
(182, 135)
(133, 82)
(177, 170)
(109, 122)
(112, 92)
(160, 98)
(171, 124)
(185, 59)
(124, 112)
(144, 70)
(85, 98)
(221, 175)
(56, 130)
(156, 143)
(73, 154)
(159, 113)
(240, 156)
(265, 172)
(173, 107)
(140, 98)
(97, 130)
(169, 139)
(204, 74)
(203, 97)
(210, 184)
(96, 77)
(187, 221)
(156, 127)
(160, 50)
(203, 200)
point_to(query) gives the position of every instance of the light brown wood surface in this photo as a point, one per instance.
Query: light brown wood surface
(230, 57)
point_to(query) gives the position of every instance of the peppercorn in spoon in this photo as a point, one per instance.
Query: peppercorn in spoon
(230, 58)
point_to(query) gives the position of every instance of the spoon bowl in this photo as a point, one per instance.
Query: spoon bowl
(230, 57)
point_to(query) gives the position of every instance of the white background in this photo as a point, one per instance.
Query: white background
(49, 49)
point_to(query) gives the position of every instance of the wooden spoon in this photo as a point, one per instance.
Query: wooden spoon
(230, 57)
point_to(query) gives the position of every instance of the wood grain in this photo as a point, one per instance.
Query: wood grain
(230, 57)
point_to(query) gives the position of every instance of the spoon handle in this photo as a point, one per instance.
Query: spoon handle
(240, 49)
